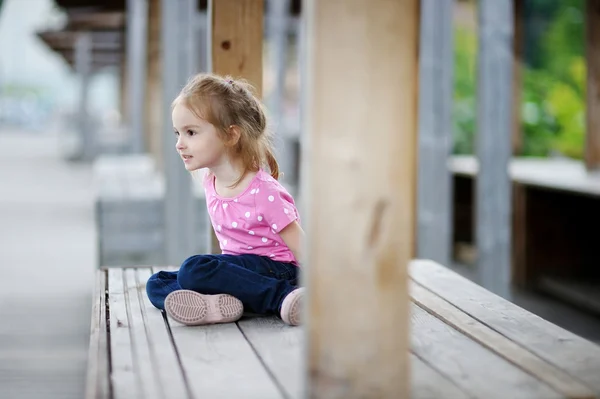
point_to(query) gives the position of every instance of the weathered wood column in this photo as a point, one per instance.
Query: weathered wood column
(83, 67)
(180, 237)
(494, 132)
(436, 87)
(361, 110)
(137, 50)
(592, 136)
(236, 48)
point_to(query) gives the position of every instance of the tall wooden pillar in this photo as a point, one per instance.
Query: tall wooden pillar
(180, 232)
(137, 43)
(517, 81)
(434, 219)
(236, 48)
(361, 110)
(494, 108)
(153, 98)
(592, 40)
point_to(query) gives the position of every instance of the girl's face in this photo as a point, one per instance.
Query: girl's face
(198, 143)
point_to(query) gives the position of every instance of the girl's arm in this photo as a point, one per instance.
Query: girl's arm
(293, 235)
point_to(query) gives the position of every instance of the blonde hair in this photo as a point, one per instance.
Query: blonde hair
(226, 102)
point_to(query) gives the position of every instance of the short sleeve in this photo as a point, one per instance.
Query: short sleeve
(276, 206)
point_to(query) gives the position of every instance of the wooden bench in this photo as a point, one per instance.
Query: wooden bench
(466, 343)
(129, 211)
(555, 205)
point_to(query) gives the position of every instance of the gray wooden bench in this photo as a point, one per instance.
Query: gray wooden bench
(466, 343)
(555, 208)
(129, 211)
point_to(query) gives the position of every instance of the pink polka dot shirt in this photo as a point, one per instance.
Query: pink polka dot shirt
(250, 222)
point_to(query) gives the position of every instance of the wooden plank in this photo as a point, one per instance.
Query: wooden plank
(592, 136)
(221, 363)
(124, 373)
(493, 188)
(144, 359)
(469, 365)
(550, 173)
(428, 383)
(578, 357)
(491, 339)
(236, 49)
(97, 381)
(168, 370)
(434, 231)
(279, 347)
(361, 76)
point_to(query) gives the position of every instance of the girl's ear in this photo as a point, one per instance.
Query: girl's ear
(233, 135)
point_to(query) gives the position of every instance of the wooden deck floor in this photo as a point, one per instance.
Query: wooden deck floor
(466, 343)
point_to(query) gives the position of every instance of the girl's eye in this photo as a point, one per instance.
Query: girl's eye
(176, 133)
(191, 132)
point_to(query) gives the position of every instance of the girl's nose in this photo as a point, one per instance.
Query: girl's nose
(179, 145)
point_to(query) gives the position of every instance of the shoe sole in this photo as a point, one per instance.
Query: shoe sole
(193, 309)
(292, 313)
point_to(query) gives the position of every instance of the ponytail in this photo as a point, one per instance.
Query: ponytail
(272, 162)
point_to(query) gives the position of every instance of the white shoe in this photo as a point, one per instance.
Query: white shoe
(192, 308)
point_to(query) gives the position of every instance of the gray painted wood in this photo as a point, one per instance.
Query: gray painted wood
(434, 193)
(97, 385)
(493, 188)
(551, 375)
(166, 369)
(220, 363)
(428, 383)
(471, 366)
(578, 357)
(180, 235)
(137, 57)
(125, 379)
(280, 348)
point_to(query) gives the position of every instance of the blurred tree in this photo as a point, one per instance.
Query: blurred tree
(553, 98)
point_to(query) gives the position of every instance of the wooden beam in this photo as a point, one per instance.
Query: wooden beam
(493, 188)
(361, 105)
(592, 140)
(434, 234)
(236, 48)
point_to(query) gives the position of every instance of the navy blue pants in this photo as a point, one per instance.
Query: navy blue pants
(259, 282)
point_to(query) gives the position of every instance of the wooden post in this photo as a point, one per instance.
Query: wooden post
(592, 141)
(517, 81)
(154, 84)
(237, 39)
(137, 44)
(180, 237)
(83, 66)
(235, 48)
(435, 132)
(361, 127)
(493, 188)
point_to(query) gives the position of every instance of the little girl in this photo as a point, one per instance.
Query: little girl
(220, 125)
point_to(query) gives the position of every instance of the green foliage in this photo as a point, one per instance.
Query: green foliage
(553, 92)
